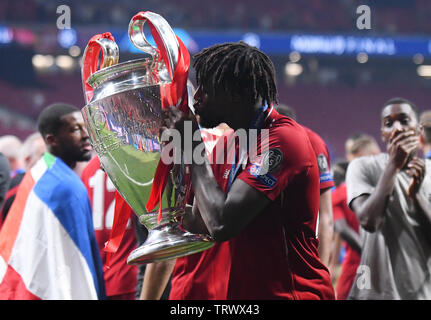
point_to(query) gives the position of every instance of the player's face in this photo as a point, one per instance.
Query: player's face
(397, 118)
(222, 107)
(210, 108)
(72, 139)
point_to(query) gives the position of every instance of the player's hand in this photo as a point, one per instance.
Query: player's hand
(174, 124)
(173, 119)
(416, 170)
(402, 144)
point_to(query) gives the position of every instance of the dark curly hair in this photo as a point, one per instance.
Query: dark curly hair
(237, 68)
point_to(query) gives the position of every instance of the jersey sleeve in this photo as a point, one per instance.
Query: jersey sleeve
(359, 179)
(289, 154)
(325, 176)
(323, 161)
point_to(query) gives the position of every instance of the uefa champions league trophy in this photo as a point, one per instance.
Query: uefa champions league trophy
(123, 115)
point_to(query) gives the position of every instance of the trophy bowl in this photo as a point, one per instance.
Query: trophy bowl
(123, 116)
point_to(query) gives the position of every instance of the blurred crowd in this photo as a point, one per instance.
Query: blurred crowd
(405, 17)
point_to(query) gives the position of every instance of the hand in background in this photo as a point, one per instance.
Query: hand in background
(415, 169)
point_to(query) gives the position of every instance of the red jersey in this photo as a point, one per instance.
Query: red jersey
(120, 278)
(275, 256)
(197, 276)
(323, 162)
(279, 247)
(352, 258)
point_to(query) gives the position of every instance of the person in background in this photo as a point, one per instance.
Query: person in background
(425, 138)
(31, 150)
(154, 279)
(325, 218)
(4, 178)
(47, 242)
(10, 146)
(346, 225)
(360, 144)
(120, 277)
(390, 193)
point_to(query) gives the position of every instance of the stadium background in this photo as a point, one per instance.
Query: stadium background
(334, 75)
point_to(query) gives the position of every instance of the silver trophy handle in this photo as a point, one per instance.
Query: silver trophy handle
(165, 32)
(110, 51)
(90, 62)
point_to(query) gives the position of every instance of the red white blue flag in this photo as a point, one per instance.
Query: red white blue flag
(48, 248)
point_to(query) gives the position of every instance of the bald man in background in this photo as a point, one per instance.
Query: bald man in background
(10, 146)
(21, 160)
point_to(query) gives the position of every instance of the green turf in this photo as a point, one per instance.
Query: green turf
(130, 170)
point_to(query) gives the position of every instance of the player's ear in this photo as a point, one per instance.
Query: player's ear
(51, 140)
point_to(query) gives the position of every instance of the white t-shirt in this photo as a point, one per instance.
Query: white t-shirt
(396, 258)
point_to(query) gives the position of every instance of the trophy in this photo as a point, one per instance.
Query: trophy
(123, 116)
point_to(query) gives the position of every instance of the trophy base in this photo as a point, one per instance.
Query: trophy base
(169, 241)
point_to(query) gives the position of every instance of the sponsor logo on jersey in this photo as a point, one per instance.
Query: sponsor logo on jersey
(322, 163)
(272, 160)
(266, 179)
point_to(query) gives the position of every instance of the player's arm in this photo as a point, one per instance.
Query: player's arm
(326, 226)
(192, 220)
(370, 208)
(335, 256)
(225, 215)
(156, 278)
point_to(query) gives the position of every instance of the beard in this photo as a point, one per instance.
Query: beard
(76, 154)
(86, 156)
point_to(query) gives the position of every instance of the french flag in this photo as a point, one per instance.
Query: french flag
(48, 248)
